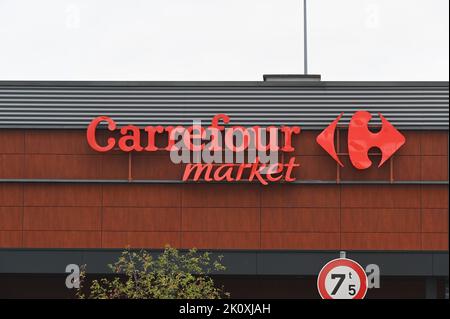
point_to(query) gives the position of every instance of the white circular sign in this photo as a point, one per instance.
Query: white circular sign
(342, 278)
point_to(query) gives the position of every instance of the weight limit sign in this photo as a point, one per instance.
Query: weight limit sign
(342, 278)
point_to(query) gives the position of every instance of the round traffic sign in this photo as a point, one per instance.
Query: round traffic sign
(342, 278)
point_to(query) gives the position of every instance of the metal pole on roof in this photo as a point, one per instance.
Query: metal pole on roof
(305, 40)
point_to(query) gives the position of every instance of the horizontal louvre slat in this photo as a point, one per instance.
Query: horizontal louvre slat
(408, 105)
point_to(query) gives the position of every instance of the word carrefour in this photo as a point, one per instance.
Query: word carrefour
(213, 153)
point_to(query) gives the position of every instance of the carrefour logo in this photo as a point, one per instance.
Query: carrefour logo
(360, 140)
(220, 153)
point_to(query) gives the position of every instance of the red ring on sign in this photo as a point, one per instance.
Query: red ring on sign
(342, 262)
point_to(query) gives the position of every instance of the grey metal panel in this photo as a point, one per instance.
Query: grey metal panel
(408, 105)
(390, 263)
(287, 263)
(431, 288)
(238, 262)
(38, 261)
(440, 265)
(398, 263)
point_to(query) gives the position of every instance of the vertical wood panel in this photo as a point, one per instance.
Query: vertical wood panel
(383, 220)
(11, 194)
(10, 218)
(434, 143)
(407, 168)
(373, 173)
(412, 144)
(61, 239)
(217, 216)
(63, 166)
(314, 167)
(10, 239)
(62, 218)
(300, 219)
(434, 220)
(11, 166)
(300, 241)
(220, 240)
(221, 219)
(434, 168)
(435, 241)
(381, 241)
(300, 196)
(12, 141)
(434, 196)
(221, 195)
(380, 196)
(60, 194)
(141, 195)
(57, 142)
(155, 167)
(141, 219)
(305, 143)
(140, 239)
(114, 166)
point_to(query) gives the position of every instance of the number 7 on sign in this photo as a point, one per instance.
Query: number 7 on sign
(342, 278)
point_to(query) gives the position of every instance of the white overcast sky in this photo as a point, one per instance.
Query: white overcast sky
(222, 39)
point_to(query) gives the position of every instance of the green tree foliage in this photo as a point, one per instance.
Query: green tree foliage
(172, 275)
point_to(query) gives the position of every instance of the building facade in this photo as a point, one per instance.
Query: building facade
(61, 202)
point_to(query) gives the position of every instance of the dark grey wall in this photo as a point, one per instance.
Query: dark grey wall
(408, 263)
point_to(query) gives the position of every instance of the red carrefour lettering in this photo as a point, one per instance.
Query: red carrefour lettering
(196, 138)
(288, 131)
(151, 132)
(91, 134)
(199, 169)
(278, 170)
(223, 172)
(290, 167)
(215, 121)
(134, 138)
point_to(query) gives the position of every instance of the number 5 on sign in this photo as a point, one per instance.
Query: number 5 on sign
(342, 278)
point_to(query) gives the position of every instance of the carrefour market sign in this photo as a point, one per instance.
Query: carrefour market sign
(234, 153)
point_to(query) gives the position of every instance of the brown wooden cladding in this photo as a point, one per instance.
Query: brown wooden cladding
(49, 154)
(218, 216)
(234, 216)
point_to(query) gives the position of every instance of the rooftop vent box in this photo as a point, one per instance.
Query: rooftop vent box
(291, 77)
